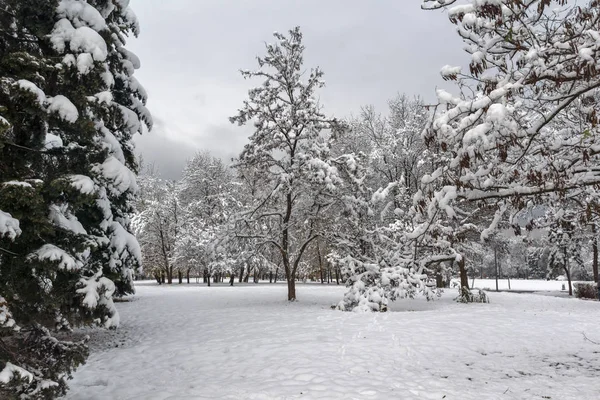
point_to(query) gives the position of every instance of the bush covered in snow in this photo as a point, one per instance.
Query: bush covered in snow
(465, 295)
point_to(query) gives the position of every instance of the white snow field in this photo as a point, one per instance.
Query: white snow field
(247, 342)
(522, 284)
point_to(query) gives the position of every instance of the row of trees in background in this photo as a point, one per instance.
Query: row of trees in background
(184, 229)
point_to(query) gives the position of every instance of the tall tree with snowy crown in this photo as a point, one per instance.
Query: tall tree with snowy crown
(290, 150)
(525, 129)
(69, 105)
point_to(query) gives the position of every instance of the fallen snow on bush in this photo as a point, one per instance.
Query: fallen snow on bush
(197, 342)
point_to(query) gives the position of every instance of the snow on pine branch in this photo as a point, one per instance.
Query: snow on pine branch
(97, 291)
(9, 226)
(52, 253)
(60, 216)
(119, 178)
(6, 318)
(11, 371)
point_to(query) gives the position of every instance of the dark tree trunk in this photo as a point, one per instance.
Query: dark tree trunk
(180, 277)
(439, 281)
(320, 262)
(187, 276)
(270, 276)
(291, 289)
(595, 260)
(496, 266)
(464, 278)
(276, 272)
(170, 275)
(568, 274)
(231, 279)
(337, 276)
(241, 274)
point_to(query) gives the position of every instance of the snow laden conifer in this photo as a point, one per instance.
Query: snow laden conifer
(289, 152)
(69, 105)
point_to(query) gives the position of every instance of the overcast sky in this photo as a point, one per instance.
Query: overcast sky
(192, 50)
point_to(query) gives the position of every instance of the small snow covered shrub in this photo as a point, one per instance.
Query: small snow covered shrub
(371, 286)
(465, 295)
(586, 290)
(365, 292)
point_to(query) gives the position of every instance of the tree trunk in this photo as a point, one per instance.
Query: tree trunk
(276, 273)
(162, 277)
(464, 278)
(595, 261)
(320, 262)
(180, 276)
(496, 266)
(170, 275)
(187, 276)
(270, 276)
(241, 273)
(508, 282)
(439, 280)
(337, 275)
(291, 289)
(231, 278)
(568, 274)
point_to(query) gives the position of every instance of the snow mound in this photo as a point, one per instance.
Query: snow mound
(9, 226)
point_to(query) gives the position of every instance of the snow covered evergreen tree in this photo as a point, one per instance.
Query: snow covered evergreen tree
(69, 105)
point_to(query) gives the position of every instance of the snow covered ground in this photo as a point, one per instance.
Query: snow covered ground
(247, 342)
(521, 284)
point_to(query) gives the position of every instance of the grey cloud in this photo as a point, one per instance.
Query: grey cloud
(166, 153)
(191, 52)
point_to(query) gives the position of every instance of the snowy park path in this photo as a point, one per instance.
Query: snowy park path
(195, 342)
